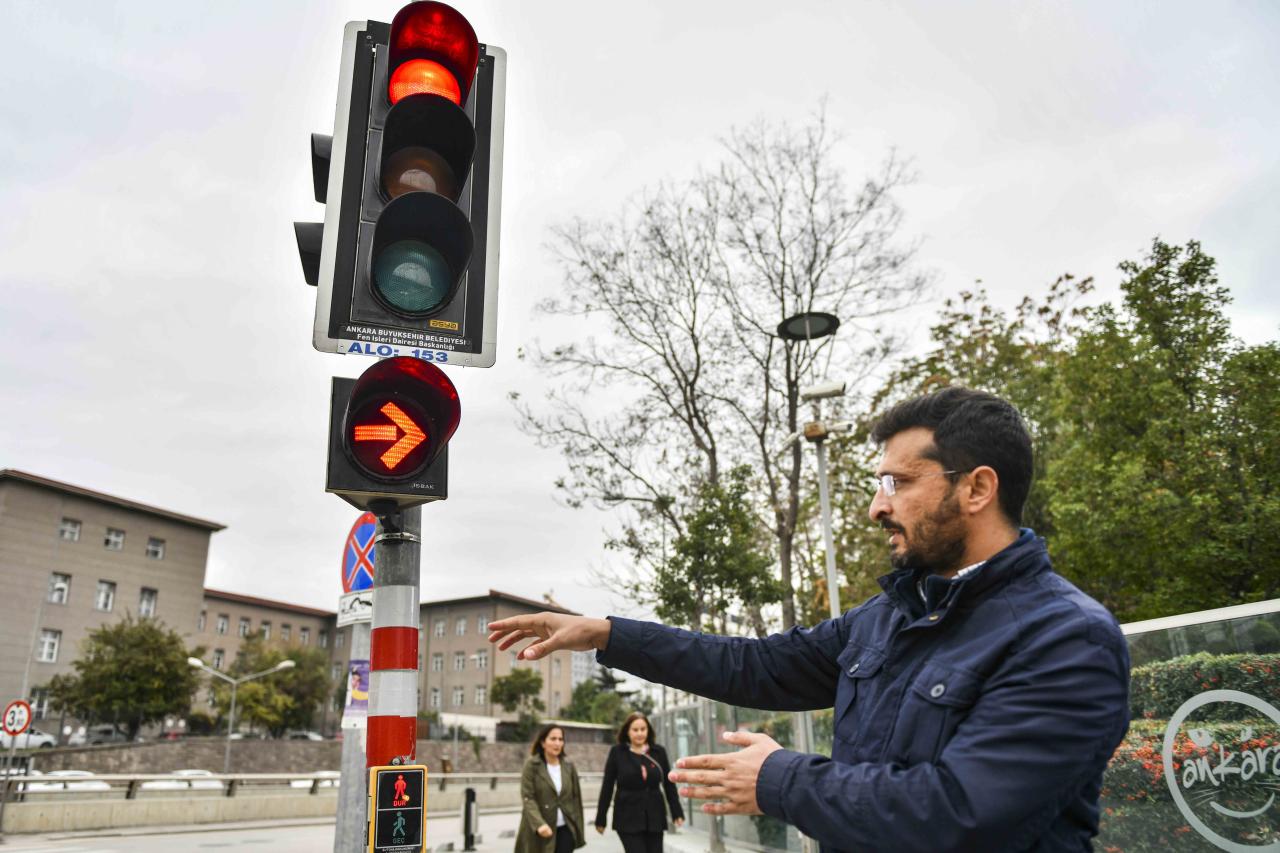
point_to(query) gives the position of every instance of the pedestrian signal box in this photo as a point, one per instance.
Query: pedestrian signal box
(397, 809)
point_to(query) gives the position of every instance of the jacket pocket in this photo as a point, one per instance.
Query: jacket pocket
(857, 665)
(932, 709)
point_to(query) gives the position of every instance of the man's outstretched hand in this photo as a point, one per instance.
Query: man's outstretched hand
(728, 777)
(554, 631)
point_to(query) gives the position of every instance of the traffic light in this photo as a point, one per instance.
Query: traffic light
(388, 434)
(406, 261)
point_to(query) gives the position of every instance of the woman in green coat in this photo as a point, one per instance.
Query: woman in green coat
(551, 821)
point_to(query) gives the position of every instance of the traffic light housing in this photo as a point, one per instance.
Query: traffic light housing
(406, 260)
(389, 432)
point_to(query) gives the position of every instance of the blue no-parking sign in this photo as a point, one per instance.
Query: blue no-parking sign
(357, 556)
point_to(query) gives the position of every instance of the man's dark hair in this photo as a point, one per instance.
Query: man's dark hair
(970, 428)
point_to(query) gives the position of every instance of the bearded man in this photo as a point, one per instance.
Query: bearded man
(977, 699)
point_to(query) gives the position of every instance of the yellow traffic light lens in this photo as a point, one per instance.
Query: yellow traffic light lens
(417, 169)
(412, 276)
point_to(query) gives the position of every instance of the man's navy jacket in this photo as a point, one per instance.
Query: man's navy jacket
(982, 721)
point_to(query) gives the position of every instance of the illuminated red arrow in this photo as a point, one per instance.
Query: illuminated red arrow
(413, 435)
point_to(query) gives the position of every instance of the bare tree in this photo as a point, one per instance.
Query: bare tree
(691, 284)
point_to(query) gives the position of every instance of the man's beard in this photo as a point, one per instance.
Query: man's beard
(936, 545)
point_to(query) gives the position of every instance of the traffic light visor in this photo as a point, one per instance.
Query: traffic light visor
(402, 413)
(437, 34)
(427, 146)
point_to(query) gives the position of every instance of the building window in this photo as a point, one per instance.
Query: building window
(106, 598)
(49, 642)
(435, 698)
(439, 628)
(339, 639)
(459, 696)
(223, 622)
(555, 667)
(459, 661)
(69, 530)
(482, 695)
(59, 588)
(335, 671)
(114, 540)
(147, 602)
(482, 624)
(265, 628)
(482, 659)
(324, 639)
(219, 656)
(243, 630)
(304, 636)
(39, 703)
(285, 632)
(555, 702)
(437, 662)
(155, 548)
(200, 621)
(460, 626)
(515, 661)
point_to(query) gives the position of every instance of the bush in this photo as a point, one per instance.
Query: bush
(1156, 690)
(1138, 811)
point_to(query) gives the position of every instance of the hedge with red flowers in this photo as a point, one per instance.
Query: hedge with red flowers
(1156, 690)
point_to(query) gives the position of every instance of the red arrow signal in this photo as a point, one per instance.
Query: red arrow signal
(400, 423)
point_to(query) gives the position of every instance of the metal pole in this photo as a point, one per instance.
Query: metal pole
(6, 784)
(709, 733)
(824, 498)
(393, 643)
(348, 836)
(231, 721)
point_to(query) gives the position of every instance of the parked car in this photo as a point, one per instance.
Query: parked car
(194, 779)
(301, 735)
(94, 735)
(69, 780)
(30, 739)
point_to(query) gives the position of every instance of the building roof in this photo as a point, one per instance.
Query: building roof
(503, 596)
(266, 602)
(80, 491)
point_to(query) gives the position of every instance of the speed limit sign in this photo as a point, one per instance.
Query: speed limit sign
(17, 716)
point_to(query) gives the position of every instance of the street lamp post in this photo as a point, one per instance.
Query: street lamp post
(235, 684)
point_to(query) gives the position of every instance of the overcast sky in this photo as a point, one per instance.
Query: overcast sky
(155, 328)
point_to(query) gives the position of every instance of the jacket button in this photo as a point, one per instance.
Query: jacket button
(853, 669)
(937, 690)
(934, 617)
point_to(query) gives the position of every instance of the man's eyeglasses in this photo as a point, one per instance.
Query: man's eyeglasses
(890, 483)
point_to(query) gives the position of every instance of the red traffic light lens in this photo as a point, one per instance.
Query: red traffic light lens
(423, 77)
(386, 439)
(401, 414)
(437, 32)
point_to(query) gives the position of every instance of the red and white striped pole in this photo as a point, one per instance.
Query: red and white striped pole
(393, 641)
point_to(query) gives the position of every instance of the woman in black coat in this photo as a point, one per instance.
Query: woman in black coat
(639, 768)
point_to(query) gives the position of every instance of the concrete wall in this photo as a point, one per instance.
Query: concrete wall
(72, 815)
(289, 756)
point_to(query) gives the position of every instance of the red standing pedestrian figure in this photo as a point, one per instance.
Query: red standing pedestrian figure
(401, 798)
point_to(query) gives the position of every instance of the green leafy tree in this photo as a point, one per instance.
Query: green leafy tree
(720, 562)
(281, 701)
(131, 672)
(595, 701)
(519, 691)
(1155, 435)
(1163, 481)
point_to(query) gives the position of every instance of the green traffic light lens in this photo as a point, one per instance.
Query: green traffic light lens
(412, 276)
